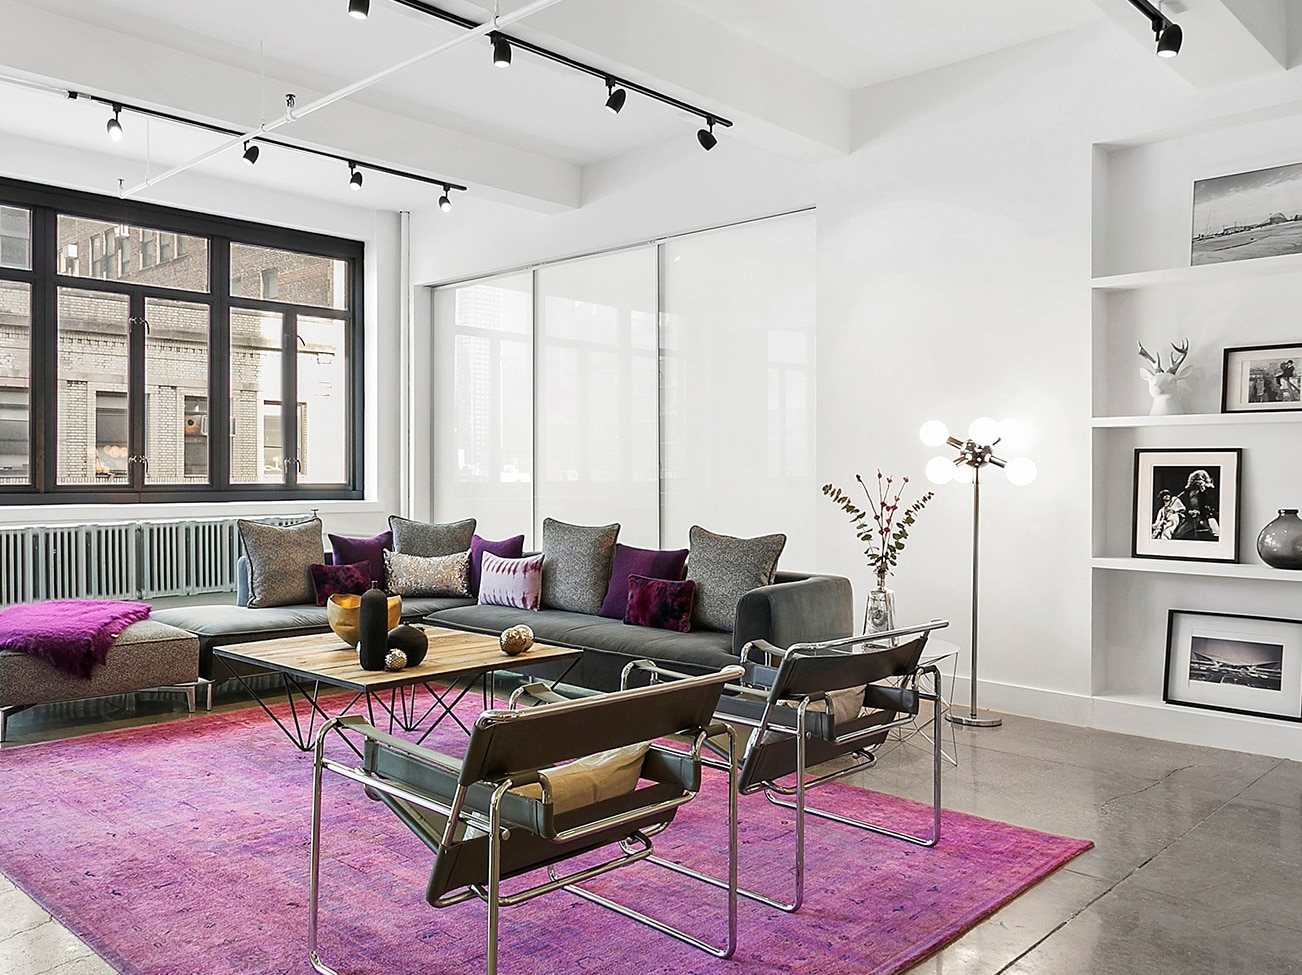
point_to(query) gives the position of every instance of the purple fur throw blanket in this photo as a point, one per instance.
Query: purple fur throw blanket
(72, 635)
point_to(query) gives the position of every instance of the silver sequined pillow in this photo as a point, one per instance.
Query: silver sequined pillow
(422, 538)
(439, 575)
(280, 560)
(725, 569)
(576, 565)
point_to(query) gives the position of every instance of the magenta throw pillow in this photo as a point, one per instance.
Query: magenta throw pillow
(348, 551)
(332, 580)
(507, 548)
(630, 561)
(665, 604)
(511, 582)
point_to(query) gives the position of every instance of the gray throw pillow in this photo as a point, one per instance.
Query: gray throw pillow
(725, 569)
(426, 540)
(280, 561)
(576, 565)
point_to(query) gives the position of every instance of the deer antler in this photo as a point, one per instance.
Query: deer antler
(1181, 351)
(1155, 360)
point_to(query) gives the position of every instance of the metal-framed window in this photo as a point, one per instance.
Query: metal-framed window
(145, 353)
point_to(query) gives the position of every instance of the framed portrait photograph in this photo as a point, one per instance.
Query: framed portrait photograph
(1245, 664)
(1187, 504)
(1247, 215)
(1262, 379)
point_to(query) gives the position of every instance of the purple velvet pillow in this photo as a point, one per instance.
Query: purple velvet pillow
(331, 580)
(511, 582)
(665, 604)
(507, 548)
(349, 551)
(630, 561)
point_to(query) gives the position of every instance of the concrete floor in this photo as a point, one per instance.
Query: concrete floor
(1197, 866)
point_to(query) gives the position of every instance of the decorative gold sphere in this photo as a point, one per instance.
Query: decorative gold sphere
(395, 660)
(516, 640)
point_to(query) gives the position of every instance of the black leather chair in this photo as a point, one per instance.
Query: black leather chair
(510, 807)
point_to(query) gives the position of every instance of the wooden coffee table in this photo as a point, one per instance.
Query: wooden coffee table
(305, 663)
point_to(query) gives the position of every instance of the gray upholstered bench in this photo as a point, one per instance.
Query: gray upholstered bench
(148, 655)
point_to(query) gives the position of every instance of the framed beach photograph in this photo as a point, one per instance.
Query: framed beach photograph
(1262, 379)
(1247, 215)
(1245, 664)
(1187, 504)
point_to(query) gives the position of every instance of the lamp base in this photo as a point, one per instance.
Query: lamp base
(974, 719)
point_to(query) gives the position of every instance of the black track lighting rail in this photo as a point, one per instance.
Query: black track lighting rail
(569, 62)
(1167, 32)
(118, 105)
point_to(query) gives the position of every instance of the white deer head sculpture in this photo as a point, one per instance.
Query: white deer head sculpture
(1164, 384)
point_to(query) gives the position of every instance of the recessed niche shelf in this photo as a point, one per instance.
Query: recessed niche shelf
(1197, 420)
(1199, 274)
(1219, 570)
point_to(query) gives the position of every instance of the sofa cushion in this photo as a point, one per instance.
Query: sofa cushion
(514, 583)
(630, 561)
(328, 580)
(506, 548)
(350, 550)
(724, 569)
(422, 538)
(664, 604)
(438, 575)
(576, 565)
(279, 560)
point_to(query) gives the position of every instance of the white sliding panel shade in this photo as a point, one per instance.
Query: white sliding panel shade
(737, 337)
(483, 404)
(597, 427)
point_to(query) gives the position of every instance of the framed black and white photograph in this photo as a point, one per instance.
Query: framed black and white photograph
(1187, 504)
(1248, 215)
(1262, 379)
(1245, 664)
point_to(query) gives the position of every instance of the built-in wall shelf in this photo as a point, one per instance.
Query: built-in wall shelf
(1199, 274)
(1219, 570)
(1198, 419)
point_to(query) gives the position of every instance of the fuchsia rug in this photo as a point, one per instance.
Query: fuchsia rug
(183, 848)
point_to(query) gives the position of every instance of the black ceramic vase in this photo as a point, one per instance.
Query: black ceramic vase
(373, 629)
(411, 641)
(1280, 542)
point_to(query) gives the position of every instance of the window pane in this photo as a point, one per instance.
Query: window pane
(15, 381)
(176, 392)
(15, 238)
(116, 252)
(92, 390)
(323, 401)
(257, 454)
(300, 279)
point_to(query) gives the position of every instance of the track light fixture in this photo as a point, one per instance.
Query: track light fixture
(445, 201)
(114, 126)
(616, 97)
(361, 9)
(1168, 35)
(250, 153)
(706, 136)
(501, 51)
(355, 180)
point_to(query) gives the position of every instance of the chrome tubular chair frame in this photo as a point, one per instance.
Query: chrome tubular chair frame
(489, 810)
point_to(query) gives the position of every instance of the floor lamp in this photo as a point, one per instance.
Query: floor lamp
(974, 453)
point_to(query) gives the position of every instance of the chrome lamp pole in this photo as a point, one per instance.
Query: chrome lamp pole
(974, 453)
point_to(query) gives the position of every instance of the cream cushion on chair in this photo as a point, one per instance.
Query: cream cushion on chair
(591, 779)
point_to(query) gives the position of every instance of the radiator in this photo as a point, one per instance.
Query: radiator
(122, 560)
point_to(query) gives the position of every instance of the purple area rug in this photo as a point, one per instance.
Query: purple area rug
(183, 848)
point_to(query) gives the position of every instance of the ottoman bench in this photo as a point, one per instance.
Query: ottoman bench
(146, 656)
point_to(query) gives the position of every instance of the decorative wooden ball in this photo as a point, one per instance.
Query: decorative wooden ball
(395, 660)
(411, 641)
(516, 640)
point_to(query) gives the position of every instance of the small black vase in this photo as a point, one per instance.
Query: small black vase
(1280, 542)
(373, 629)
(411, 641)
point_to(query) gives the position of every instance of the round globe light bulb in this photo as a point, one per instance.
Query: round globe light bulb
(940, 470)
(964, 474)
(984, 430)
(1020, 471)
(933, 434)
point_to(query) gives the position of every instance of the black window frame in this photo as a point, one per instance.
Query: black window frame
(46, 205)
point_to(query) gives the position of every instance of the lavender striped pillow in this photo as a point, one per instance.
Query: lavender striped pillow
(511, 582)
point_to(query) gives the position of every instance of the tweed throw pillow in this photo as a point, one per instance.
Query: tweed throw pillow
(725, 569)
(279, 560)
(576, 565)
(511, 582)
(422, 538)
(439, 575)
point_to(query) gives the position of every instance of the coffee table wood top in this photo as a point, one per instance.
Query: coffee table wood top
(326, 658)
